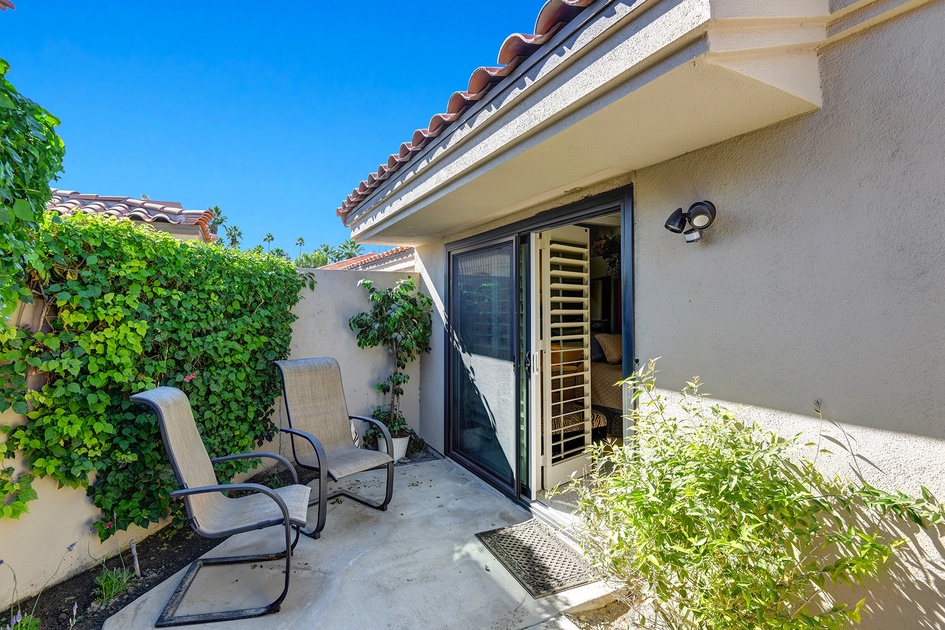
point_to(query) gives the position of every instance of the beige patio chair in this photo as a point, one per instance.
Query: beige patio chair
(212, 513)
(318, 416)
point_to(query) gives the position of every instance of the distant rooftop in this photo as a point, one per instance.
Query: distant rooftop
(397, 259)
(172, 213)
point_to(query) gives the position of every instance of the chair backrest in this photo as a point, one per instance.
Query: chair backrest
(315, 400)
(184, 447)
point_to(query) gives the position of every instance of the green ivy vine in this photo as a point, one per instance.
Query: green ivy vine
(30, 156)
(130, 309)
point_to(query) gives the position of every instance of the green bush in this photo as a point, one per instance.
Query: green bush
(721, 525)
(30, 156)
(130, 309)
(401, 320)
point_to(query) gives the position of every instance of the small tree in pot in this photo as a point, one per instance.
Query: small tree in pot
(400, 320)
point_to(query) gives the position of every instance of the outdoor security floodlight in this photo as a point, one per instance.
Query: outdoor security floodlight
(676, 222)
(699, 216)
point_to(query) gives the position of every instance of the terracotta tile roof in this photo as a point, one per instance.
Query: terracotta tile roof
(6, 4)
(516, 48)
(369, 260)
(68, 202)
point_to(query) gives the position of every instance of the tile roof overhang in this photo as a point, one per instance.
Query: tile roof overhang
(69, 202)
(603, 88)
(6, 4)
(371, 260)
(516, 49)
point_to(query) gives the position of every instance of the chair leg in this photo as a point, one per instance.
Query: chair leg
(368, 502)
(167, 618)
(322, 500)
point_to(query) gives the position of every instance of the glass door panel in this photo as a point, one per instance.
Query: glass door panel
(483, 381)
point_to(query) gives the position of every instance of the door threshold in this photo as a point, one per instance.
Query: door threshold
(562, 522)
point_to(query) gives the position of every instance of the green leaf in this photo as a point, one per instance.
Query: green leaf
(23, 211)
(20, 407)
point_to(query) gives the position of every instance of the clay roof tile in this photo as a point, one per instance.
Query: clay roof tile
(516, 48)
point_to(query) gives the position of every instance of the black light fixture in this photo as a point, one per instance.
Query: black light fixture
(677, 221)
(699, 216)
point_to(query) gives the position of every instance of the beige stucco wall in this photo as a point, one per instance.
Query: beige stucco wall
(34, 545)
(322, 331)
(823, 277)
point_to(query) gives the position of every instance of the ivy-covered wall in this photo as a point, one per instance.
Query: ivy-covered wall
(127, 309)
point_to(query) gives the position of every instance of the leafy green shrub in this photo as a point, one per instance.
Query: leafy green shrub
(401, 320)
(30, 157)
(721, 525)
(131, 309)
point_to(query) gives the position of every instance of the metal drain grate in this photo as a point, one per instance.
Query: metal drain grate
(541, 562)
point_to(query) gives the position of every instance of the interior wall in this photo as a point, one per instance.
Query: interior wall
(823, 277)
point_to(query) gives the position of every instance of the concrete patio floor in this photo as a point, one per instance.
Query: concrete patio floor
(417, 565)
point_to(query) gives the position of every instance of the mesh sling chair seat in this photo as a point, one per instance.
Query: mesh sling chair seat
(215, 515)
(320, 426)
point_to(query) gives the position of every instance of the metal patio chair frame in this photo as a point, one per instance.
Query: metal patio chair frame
(287, 508)
(304, 383)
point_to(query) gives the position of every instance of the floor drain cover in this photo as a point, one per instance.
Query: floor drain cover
(539, 560)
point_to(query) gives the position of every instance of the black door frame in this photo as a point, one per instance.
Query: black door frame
(619, 200)
(467, 462)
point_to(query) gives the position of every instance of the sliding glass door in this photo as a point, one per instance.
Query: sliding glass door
(483, 381)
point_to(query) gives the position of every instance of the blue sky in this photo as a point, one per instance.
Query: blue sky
(273, 110)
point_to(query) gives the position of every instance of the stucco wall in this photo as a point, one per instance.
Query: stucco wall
(322, 331)
(824, 275)
(34, 545)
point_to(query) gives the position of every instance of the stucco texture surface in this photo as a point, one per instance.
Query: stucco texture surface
(823, 277)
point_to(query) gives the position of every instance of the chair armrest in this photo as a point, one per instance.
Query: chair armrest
(279, 458)
(311, 439)
(382, 428)
(249, 487)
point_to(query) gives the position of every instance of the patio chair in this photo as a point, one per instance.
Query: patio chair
(321, 431)
(213, 514)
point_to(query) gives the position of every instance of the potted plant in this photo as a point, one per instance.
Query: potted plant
(400, 320)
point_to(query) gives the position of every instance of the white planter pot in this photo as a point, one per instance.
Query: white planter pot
(400, 447)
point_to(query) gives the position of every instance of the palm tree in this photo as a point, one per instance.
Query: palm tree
(218, 221)
(350, 249)
(300, 243)
(315, 259)
(268, 239)
(331, 253)
(234, 235)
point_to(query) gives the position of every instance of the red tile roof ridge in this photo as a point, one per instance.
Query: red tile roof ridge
(516, 48)
(67, 202)
(370, 257)
(6, 4)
